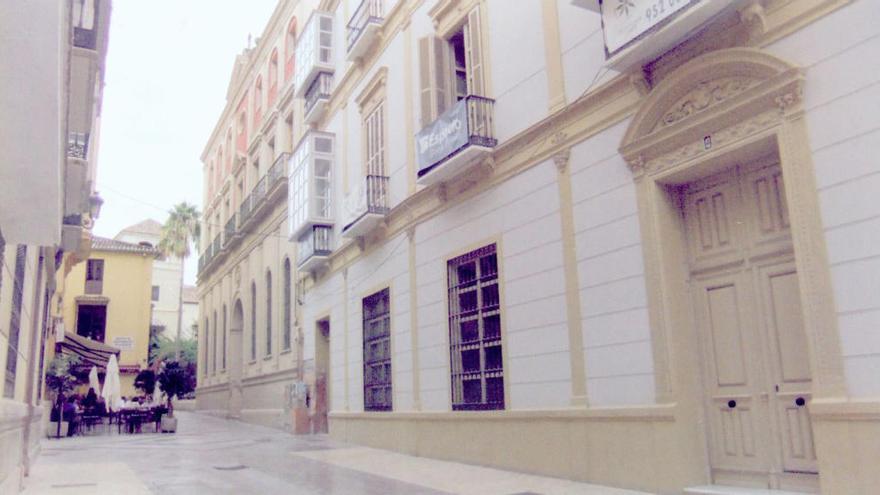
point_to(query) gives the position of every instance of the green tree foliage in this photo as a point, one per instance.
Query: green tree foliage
(59, 375)
(180, 230)
(146, 381)
(164, 349)
(176, 381)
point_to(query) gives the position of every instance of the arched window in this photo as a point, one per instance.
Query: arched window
(221, 165)
(268, 313)
(273, 77)
(223, 362)
(229, 148)
(258, 101)
(214, 348)
(211, 181)
(207, 342)
(287, 304)
(289, 50)
(253, 321)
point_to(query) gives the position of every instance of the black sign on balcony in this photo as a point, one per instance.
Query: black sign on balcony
(443, 137)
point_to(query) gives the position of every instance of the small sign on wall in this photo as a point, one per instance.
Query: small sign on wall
(123, 343)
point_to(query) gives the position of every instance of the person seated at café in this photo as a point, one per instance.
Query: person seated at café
(90, 401)
(71, 414)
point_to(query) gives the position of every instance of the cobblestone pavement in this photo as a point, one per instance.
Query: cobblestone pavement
(214, 456)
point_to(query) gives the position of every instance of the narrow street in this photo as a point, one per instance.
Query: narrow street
(216, 456)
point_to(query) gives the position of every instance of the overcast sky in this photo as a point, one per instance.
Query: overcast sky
(168, 66)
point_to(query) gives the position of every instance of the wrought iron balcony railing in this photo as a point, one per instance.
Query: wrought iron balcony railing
(369, 11)
(278, 171)
(229, 231)
(456, 138)
(316, 242)
(78, 145)
(217, 245)
(245, 210)
(319, 89)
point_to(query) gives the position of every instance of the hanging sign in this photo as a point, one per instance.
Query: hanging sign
(623, 21)
(443, 137)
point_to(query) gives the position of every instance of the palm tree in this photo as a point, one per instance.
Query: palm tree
(180, 230)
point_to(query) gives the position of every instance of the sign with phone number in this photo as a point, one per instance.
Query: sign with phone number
(625, 20)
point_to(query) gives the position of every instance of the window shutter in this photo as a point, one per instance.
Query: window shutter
(435, 73)
(425, 86)
(474, 54)
(442, 75)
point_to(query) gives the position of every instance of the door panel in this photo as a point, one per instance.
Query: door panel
(749, 321)
(789, 363)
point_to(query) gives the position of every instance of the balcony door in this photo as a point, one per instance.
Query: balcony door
(91, 321)
(748, 312)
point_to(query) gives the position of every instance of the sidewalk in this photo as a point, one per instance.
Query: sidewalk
(214, 456)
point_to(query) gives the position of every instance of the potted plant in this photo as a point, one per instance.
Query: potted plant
(146, 382)
(175, 381)
(60, 379)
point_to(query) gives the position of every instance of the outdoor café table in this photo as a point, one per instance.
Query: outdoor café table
(135, 418)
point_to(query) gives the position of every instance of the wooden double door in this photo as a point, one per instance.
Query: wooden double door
(753, 349)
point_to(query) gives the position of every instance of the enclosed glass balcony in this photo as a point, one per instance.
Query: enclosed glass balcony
(309, 187)
(314, 51)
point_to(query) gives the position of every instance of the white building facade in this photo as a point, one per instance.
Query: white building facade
(640, 258)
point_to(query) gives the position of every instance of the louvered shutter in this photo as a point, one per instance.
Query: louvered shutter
(435, 74)
(473, 46)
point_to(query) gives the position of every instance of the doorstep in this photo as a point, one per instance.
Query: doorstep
(735, 490)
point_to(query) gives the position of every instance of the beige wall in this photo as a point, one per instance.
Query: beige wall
(127, 282)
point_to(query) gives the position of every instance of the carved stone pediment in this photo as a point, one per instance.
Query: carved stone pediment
(705, 95)
(716, 98)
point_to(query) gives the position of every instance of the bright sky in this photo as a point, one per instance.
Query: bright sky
(168, 67)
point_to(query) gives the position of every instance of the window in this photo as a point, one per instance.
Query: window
(15, 321)
(273, 77)
(451, 69)
(258, 101)
(285, 343)
(94, 276)
(269, 313)
(214, 347)
(310, 182)
(253, 321)
(155, 294)
(223, 363)
(91, 321)
(290, 50)
(207, 342)
(475, 331)
(374, 133)
(377, 352)
(314, 49)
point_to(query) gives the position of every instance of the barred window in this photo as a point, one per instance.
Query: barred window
(214, 348)
(475, 331)
(223, 362)
(268, 313)
(15, 321)
(377, 352)
(253, 321)
(287, 295)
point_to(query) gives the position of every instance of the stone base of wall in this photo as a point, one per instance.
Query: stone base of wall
(847, 440)
(12, 463)
(643, 448)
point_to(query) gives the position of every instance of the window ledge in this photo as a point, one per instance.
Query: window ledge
(285, 351)
(267, 357)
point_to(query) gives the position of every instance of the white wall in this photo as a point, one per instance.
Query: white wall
(617, 337)
(842, 98)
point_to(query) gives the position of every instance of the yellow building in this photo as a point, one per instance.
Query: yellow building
(107, 299)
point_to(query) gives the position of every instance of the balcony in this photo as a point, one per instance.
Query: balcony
(456, 140)
(229, 231)
(276, 178)
(85, 24)
(367, 206)
(314, 248)
(310, 183)
(364, 28)
(78, 145)
(244, 211)
(217, 246)
(317, 97)
(314, 51)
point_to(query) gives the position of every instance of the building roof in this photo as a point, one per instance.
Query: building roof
(190, 295)
(148, 226)
(105, 244)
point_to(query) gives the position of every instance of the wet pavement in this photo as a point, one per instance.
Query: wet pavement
(214, 456)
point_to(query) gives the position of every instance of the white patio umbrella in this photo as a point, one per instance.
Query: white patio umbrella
(93, 380)
(112, 391)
